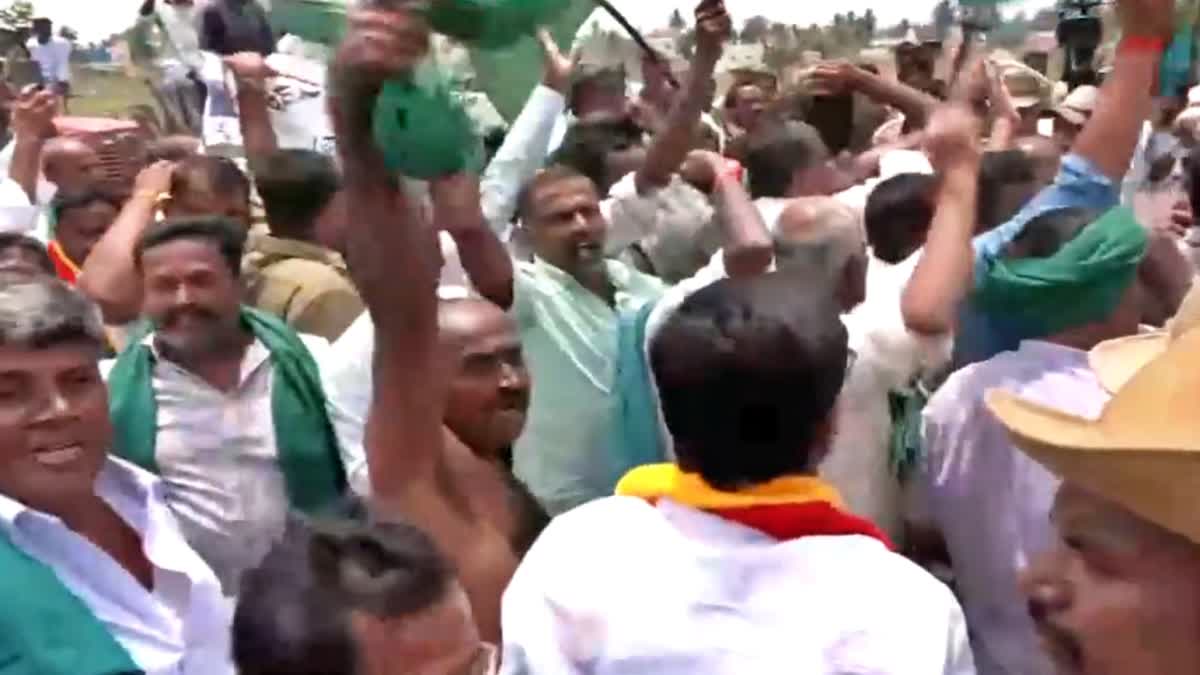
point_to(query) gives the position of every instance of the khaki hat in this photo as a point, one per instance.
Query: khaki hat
(1078, 106)
(1115, 362)
(1144, 451)
(1026, 86)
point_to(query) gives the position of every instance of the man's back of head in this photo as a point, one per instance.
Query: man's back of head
(777, 156)
(748, 372)
(821, 241)
(326, 593)
(295, 186)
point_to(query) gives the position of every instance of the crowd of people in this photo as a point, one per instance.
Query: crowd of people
(664, 389)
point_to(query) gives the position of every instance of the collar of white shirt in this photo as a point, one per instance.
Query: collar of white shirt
(182, 625)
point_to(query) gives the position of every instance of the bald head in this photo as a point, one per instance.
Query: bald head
(824, 241)
(461, 318)
(71, 164)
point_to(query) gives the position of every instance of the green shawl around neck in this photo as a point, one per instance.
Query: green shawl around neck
(307, 447)
(45, 629)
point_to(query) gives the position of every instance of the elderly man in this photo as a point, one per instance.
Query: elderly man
(1119, 589)
(95, 573)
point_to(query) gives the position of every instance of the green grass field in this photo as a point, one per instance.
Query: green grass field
(107, 93)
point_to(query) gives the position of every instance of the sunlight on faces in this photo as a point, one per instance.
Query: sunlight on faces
(568, 228)
(53, 421)
(441, 640)
(489, 388)
(1115, 594)
(191, 295)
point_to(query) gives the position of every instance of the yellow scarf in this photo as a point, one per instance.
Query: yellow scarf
(653, 481)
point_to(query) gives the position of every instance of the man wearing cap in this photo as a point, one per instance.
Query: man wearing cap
(1074, 112)
(1118, 591)
(1030, 92)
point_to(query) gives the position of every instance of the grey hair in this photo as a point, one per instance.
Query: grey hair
(833, 234)
(40, 311)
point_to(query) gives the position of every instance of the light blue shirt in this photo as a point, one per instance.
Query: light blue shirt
(182, 626)
(570, 338)
(1079, 184)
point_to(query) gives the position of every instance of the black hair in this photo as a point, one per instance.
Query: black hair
(295, 186)
(170, 148)
(748, 371)
(775, 153)
(65, 202)
(898, 214)
(220, 174)
(293, 613)
(613, 79)
(1192, 166)
(588, 144)
(13, 240)
(228, 238)
(1043, 236)
(1006, 183)
(551, 174)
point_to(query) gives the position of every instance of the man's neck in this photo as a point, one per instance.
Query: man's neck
(1086, 338)
(219, 366)
(596, 280)
(94, 520)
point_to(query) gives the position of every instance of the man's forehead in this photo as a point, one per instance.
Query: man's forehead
(464, 320)
(1077, 509)
(571, 188)
(18, 360)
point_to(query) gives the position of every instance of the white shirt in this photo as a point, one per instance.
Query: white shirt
(53, 58)
(217, 456)
(888, 358)
(674, 225)
(621, 587)
(990, 500)
(520, 157)
(179, 628)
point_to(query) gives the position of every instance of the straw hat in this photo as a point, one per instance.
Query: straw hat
(1144, 451)
(1078, 106)
(1117, 361)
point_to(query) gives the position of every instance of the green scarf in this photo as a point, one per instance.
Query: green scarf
(1080, 284)
(45, 629)
(307, 446)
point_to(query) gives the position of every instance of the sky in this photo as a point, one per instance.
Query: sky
(97, 19)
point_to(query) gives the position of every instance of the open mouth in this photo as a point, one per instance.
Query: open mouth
(589, 251)
(59, 456)
(1063, 650)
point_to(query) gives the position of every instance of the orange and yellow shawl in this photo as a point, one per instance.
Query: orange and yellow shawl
(785, 508)
(66, 268)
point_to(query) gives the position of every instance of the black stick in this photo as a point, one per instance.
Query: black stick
(638, 38)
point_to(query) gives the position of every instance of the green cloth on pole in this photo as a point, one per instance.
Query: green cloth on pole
(1080, 284)
(504, 52)
(508, 75)
(45, 629)
(307, 447)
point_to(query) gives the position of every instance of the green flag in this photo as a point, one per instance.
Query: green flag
(508, 75)
(419, 124)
